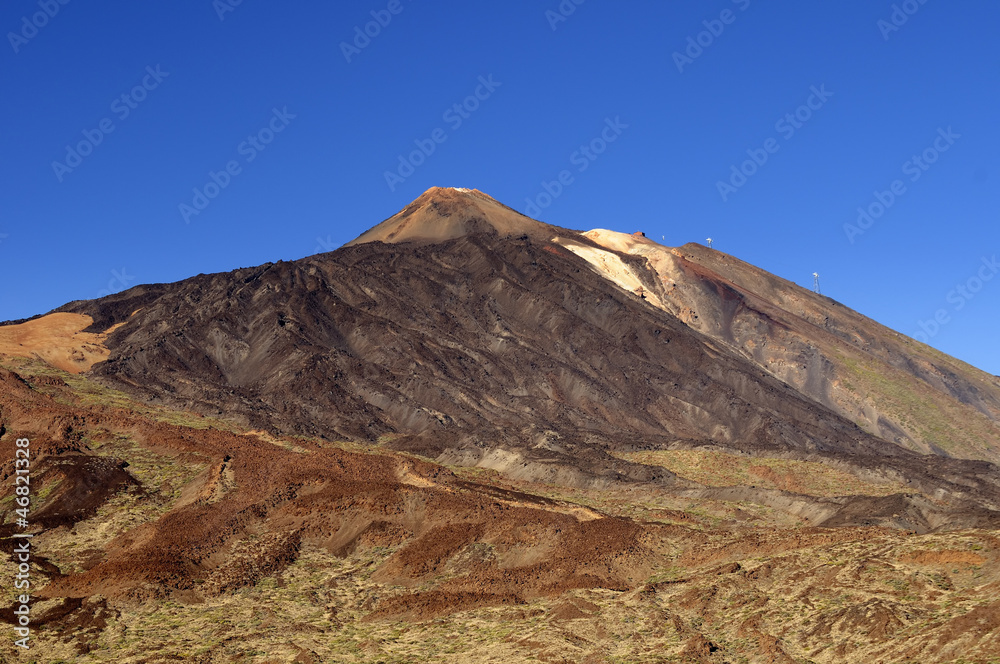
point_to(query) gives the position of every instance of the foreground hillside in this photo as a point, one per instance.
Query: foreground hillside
(168, 536)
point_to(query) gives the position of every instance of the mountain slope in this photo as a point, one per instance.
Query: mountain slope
(490, 342)
(893, 386)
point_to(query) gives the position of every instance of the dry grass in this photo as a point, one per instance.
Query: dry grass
(713, 468)
(854, 600)
(738, 582)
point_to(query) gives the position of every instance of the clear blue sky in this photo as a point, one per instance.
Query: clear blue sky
(114, 219)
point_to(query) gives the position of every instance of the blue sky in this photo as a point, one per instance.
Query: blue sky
(309, 128)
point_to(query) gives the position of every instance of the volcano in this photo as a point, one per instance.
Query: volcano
(464, 331)
(485, 410)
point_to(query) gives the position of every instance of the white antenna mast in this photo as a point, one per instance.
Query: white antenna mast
(709, 240)
(816, 281)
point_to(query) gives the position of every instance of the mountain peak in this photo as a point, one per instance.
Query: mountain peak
(453, 196)
(445, 213)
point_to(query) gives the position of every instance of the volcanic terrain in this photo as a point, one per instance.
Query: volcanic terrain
(469, 436)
